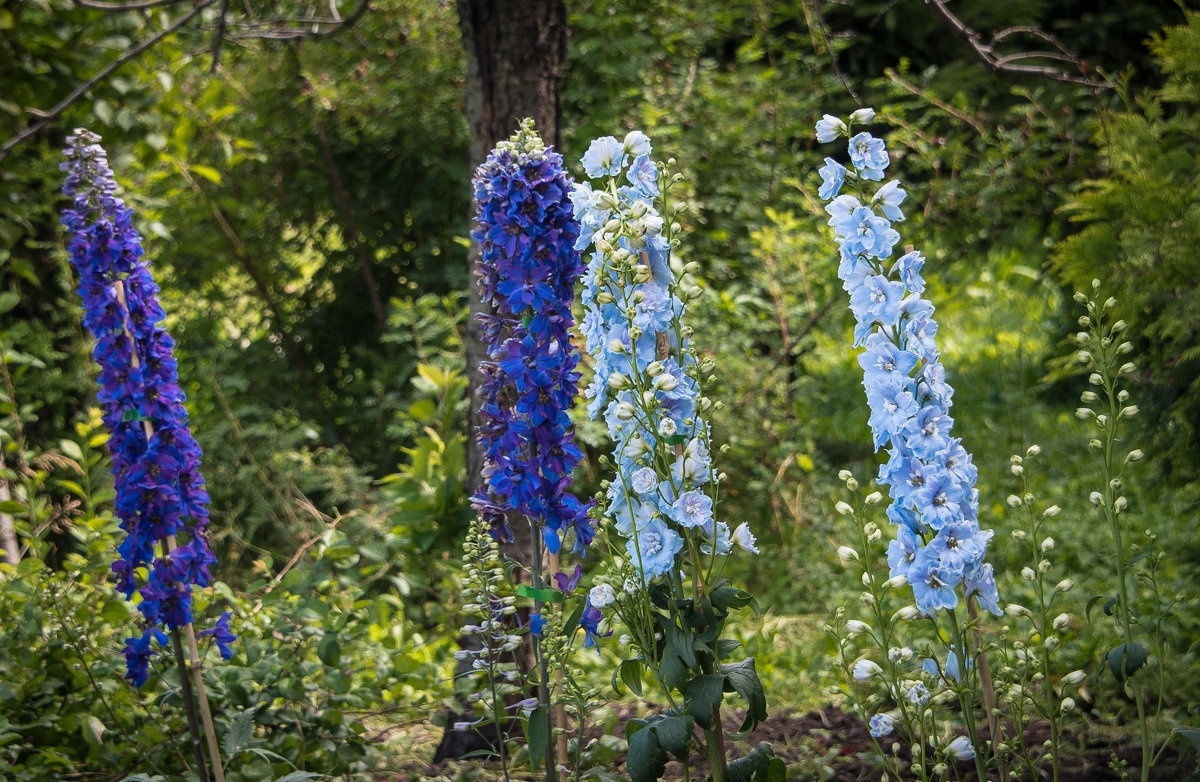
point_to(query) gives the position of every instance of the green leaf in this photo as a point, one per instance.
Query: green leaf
(673, 671)
(1112, 601)
(238, 736)
(70, 449)
(727, 597)
(646, 760)
(92, 729)
(743, 677)
(679, 641)
(1125, 659)
(536, 729)
(12, 506)
(631, 674)
(8, 300)
(703, 694)
(1192, 735)
(299, 776)
(673, 732)
(756, 765)
(544, 595)
(211, 174)
(329, 650)
(726, 647)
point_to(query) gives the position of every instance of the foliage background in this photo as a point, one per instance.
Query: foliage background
(276, 193)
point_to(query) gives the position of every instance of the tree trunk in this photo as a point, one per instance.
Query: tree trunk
(516, 50)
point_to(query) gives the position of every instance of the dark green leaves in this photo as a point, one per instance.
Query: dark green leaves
(1125, 659)
(650, 740)
(743, 678)
(704, 694)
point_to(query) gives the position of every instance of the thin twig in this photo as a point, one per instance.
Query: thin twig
(986, 54)
(820, 17)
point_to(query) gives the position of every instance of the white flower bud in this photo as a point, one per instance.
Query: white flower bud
(616, 346)
(1073, 678)
(845, 552)
(872, 498)
(1044, 566)
(1109, 303)
(1062, 622)
(1088, 397)
(1129, 411)
(1051, 512)
(843, 508)
(665, 382)
(845, 475)
(1127, 368)
(1018, 535)
(1096, 379)
(1135, 455)
(694, 292)
(863, 115)
(617, 381)
(625, 411)
(602, 596)
(863, 670)
(852, 484)
(1064, 586)
(906, 614)
(1047, 545)
(1028, 574)
(1017, 470)
(1033, 450)
(1097, 498)
(854, 627)
(1084, 413)
(655, 368)
(1014, 610)
(896, 582)
(1067, 705)
(1013, 501)
(1120, 504)
(1083, 357)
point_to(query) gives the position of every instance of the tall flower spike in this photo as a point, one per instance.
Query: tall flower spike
(939, 545)
(156, 462)
(526, 274)
(646, 372)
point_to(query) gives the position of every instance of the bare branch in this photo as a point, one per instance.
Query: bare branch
(131, 6)
(45, 117)
(986, 53)
(286, 29)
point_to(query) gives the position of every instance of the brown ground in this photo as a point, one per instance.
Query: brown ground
(828, 745)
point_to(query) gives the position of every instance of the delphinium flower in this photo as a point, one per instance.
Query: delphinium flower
(939, 547)
(160, 495)
(659, 512)
(647, 373)
(527, 273)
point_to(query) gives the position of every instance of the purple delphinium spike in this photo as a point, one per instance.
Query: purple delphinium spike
(527, 272)
(156, 461)
(928, 473)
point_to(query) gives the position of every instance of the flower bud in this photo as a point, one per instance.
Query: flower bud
(1064, 586)
(1095, 445)
(1073, 678)
(1127, 368)
(863, 670)
(843, 508)
(1083, 357)
(1018, 535)
(655, 368)
(1096, 379)
(1062, 622)
(1130, 411)
(896, 582)
(616, 346)
(1084, 413)
(873, 498)
(1120, 504)
(1088, 397)
(1014, 610)
(1028, 574)
(1097, 498)
(1044, 566)
(1051, 512)
(845, 552)
(665, 382)
(863, 115)
(1033, 450)
(691, 267)
(1013, 501)
(854, 627)
(906, 614)
(694, 292)
(1067, 705)
(1017, 470)
(845, 475)
(1135, 455)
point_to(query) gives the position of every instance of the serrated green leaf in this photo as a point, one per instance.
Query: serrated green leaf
(237, 737)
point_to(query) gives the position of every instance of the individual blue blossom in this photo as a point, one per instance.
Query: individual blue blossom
(881, 725)
(160, 495)
(653, 548)
(528, 266)
(603, 157)
(833, 175)
(869, 156)
(221, 635)
(939, 547)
